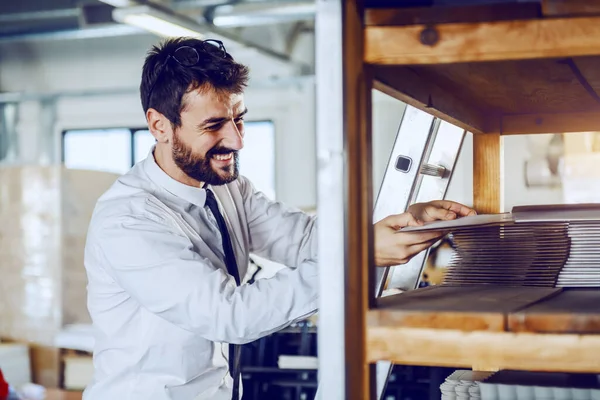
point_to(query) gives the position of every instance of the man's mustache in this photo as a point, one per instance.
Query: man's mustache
(220, 150)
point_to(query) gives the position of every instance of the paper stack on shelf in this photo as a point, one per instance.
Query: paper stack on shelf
(76, 337)
(15, 363)
(524, 385)
(463, 385)
(519, 385)
(79, 371)
(546, 246)
(297, 362)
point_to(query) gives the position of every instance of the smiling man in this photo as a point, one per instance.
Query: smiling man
(168, 244)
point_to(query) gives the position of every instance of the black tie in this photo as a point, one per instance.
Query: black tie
(234, 350)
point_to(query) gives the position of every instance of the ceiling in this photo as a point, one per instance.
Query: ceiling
(272, 27)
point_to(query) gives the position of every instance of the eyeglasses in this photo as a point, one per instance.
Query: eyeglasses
(186, 56)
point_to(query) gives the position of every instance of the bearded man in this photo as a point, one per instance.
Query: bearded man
(168, 245)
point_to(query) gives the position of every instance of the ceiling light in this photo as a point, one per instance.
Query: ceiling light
(250, 14)
(156, 21)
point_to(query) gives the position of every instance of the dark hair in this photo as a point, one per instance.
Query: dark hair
(215, 70)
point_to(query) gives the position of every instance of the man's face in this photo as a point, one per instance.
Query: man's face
(206, 145)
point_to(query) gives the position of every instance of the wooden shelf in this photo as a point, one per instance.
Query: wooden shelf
(456, 307)
(492, 70)
(489, 327)
(520, 76)
(484, 350)
(571, 311)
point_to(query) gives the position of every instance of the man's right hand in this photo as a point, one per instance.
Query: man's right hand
(393, 247)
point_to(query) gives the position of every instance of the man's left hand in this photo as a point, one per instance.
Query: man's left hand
(439, 210)
(393, 247)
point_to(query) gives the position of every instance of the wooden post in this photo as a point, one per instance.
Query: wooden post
(360, 381)
(344, 200)
(488, 193)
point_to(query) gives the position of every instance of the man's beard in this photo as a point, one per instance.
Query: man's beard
(199, 168)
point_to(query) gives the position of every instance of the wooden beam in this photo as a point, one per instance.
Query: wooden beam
(359, 207)
(456, 307)
(408, 86)
(571, 311)
(485, 350)
(486, 41)
(454, 14)
(56, 394)
(550, 123)
(487, 173)
(555, 8)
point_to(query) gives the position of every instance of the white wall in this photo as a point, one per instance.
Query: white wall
(115, 63)
(516, 150)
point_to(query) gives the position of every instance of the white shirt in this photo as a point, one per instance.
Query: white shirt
(161, 301)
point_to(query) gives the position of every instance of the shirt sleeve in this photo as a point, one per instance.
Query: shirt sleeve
(161, 271)
(278, 232)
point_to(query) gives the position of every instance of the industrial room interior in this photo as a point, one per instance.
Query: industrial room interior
(71, 124)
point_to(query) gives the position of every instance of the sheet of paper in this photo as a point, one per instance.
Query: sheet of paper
(557, 213)
(461, 223)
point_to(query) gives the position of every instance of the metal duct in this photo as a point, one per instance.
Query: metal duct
(9, 141)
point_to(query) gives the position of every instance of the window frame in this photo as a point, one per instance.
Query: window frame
(132, 132)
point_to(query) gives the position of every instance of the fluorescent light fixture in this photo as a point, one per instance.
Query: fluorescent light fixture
(156, 21)
(263, 14)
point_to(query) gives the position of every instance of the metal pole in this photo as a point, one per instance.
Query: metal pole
(330, 199)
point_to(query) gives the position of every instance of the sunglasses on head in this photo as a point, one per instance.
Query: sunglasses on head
(186, 56)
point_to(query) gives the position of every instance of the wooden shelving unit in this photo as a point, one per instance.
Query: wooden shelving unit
(494, 70)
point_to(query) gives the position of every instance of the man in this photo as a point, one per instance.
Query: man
(168, 244)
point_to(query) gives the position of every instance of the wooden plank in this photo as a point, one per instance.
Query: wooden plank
(55, 394)
(407, 85)
(439, 15)
(519, 87)
(359, 237)
(488, 182)
(550, 123)
(485, 350)
(572, 311)
(554, 8)
(465, 308)
(486, 41)
(44, 365)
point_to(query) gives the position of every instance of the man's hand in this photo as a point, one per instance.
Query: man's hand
(439, 210)
(394, 248)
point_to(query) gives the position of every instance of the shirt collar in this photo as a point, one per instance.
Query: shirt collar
(194, 195)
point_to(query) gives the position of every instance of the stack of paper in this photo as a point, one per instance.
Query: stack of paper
(531, 246)
(582, 268)
(297, 362)
(463, 385)
(15, 364)
(524, 385)
(79, 372)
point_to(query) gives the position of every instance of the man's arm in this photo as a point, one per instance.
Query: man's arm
(161, 271)
(277, 232)
(288, 236)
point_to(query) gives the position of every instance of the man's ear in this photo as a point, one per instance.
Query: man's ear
(159, 126)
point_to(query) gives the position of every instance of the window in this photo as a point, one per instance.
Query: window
(101, 149)
(117, 150)
(257, 158)
(142, 143)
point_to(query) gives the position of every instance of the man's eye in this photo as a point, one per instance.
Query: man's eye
(214, 127)
(238, 120)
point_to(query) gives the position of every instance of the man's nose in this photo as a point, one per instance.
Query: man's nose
(232, 136)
